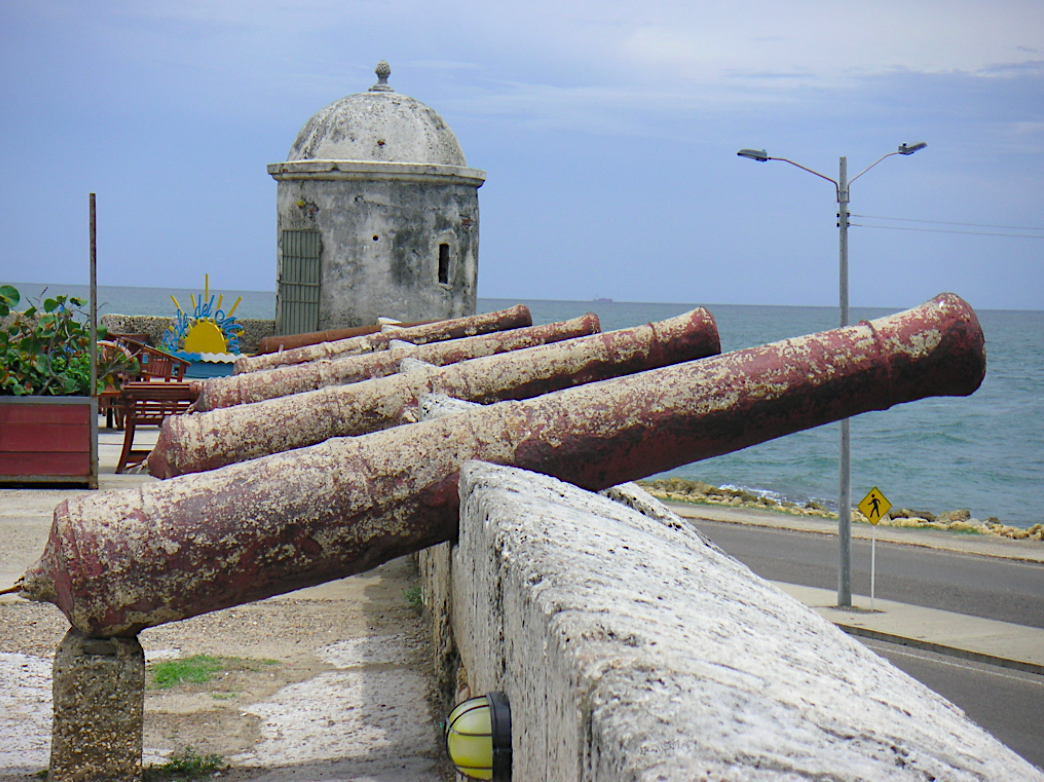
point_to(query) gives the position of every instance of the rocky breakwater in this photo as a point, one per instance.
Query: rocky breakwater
(958, 521)
(697, 492)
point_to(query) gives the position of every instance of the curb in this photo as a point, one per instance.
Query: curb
(949, 651)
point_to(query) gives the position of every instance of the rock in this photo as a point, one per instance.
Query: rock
(907, 513)
(972, 525)
(909, 521)
(954, 515)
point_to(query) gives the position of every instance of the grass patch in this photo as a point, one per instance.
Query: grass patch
(187, 764)
(200, 669)
(413, 597)
(197, 669)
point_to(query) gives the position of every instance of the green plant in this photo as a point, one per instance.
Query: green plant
(45, 350)
(197, 669)
(414, 597)
(200, 668)
(187, 764)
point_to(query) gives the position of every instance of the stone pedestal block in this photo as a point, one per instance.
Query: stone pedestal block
(99, 703)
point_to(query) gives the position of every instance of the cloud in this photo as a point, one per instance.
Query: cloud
(832, 43)
(445, 65)
(1010, 70)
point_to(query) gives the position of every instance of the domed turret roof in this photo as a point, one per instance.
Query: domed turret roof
(379, 126)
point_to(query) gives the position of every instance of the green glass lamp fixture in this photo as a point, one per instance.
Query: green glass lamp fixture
(478, 737)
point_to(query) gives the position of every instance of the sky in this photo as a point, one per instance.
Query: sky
(608, 132)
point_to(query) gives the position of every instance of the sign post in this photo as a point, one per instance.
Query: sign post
(874, 506)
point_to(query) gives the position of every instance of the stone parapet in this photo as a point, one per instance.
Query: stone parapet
(632, 649)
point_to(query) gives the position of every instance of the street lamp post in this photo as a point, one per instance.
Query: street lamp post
(844, 493)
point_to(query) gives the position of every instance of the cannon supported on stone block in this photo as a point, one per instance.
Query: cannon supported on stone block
(119, 562)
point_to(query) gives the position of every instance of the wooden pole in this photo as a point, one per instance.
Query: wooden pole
(94, 344)
(94, 298)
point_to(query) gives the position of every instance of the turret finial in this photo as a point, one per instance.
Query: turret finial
(383, 71)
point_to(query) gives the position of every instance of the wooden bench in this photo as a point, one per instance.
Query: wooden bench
(147, 404)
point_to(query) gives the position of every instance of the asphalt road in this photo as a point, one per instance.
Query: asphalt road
(1009, 704)
(988, 587)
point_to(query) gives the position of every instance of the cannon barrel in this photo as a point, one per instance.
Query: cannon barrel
(205, 441)
(289, 341)
(512, 318)
(118, 562)
(299, 378)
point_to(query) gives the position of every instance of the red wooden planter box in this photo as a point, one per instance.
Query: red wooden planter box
(49, 440)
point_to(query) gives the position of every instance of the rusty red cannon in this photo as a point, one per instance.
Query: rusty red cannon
(512, 318)
(118, 562)
(194, 443)
(298, 378)
(279, 342)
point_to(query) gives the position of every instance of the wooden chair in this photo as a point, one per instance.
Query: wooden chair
(109, 400)
(131, 341)
(147, 404)
(157, 365)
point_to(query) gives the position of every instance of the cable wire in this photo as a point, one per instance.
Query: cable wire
(943, 222)
(944, 231)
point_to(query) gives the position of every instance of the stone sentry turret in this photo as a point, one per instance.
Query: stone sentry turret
(377, 216)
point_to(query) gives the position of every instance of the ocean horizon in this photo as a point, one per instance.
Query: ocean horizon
(983, 453)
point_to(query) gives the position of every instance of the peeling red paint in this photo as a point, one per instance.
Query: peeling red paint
(206, 441)
(511, 318)
(238, 533)
(299, 378)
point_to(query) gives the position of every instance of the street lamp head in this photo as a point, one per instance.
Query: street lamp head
(754, 154)
(909, 149)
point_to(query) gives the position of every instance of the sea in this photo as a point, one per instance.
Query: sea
(983, 453)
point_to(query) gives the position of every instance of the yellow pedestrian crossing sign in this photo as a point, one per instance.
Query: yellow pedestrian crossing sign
(874, 505)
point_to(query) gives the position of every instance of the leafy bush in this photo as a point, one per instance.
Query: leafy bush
(45, 350)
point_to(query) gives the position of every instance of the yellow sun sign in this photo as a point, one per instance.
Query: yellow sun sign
(204, 336)
(205, 328)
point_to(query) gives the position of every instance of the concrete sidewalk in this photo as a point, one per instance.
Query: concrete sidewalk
(958, 635)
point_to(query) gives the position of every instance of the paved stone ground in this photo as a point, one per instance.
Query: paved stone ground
(330, 683)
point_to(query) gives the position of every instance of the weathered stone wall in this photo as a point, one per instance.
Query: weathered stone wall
(632, 649)
(254, 330)
(380, 245)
